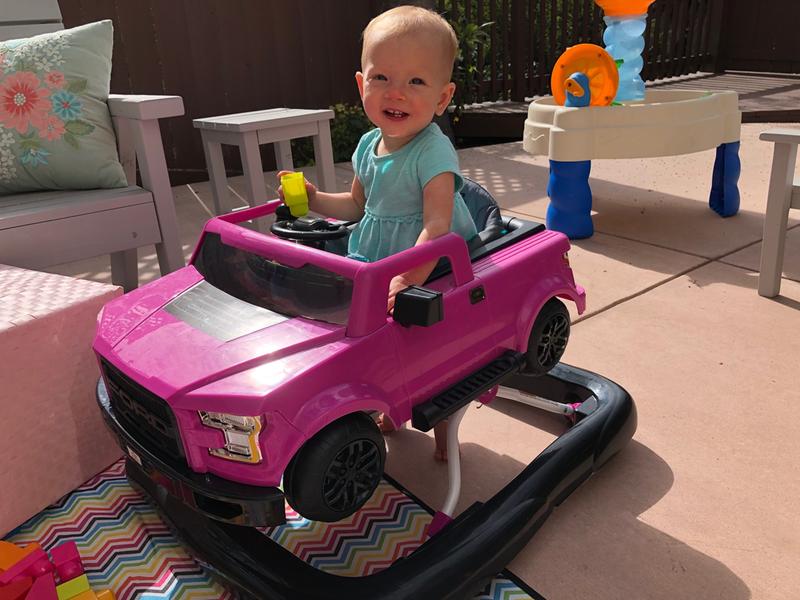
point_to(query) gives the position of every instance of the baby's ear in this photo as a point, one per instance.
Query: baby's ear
(360, 83)
(444, 100)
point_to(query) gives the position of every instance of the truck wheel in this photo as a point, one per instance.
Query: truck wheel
(548, 339)
(337, 470)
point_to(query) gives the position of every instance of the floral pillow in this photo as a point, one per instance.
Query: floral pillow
(55, 128)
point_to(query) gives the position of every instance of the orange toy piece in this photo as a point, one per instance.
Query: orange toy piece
(11, 554)
(594, 62)
(624, 8)
(86, 595)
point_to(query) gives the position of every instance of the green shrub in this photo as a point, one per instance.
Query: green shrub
(348, 125)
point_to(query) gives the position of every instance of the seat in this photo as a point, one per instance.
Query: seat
(42, 229)
(783, 195)
(495, 231)
(483, 209)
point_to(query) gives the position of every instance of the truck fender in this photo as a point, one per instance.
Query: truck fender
(533, 305)
(334, 403)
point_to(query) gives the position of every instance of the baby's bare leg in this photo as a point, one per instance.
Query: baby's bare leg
(440, 435)
(385, 423)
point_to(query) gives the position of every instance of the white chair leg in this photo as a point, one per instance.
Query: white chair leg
(253, 171)
(215, 164)
(323, 155)
(283, 155)
(777, 215)
(125, 269)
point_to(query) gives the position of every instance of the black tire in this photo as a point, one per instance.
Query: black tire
(548, 339)
(336, 471)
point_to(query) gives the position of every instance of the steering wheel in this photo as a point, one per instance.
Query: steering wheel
(309, 229)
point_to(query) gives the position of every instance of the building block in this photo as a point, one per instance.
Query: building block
(17, 589)
(43, 588)
(70, 589)
(87, 595)
(67, 561)
(11, 554)
(105, 595)
(41, 567)
(21, 567)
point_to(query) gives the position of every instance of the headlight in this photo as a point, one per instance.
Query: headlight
(241, 436)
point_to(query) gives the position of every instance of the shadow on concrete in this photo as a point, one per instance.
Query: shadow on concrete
(651, 216)
(594, 545)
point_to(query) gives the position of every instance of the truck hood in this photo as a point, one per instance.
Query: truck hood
(204, 335)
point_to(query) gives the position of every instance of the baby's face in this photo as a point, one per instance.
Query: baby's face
(405, 82)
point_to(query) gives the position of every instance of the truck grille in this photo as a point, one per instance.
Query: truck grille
(147, 417)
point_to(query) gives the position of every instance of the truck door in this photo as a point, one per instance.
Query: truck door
(435, 357)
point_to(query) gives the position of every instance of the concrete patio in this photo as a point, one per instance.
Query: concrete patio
(700, 504)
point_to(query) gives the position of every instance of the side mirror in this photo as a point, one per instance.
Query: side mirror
(418, 306)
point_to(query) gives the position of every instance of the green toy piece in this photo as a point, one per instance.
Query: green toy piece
(73, 587)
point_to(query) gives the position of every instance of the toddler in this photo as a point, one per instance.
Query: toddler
(407, 181)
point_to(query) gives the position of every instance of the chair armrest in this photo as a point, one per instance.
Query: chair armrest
(142, 107)
(782, 135)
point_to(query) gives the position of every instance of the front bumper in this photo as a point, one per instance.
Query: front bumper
(210, 495)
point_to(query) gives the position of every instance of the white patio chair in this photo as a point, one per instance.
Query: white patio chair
(41, 229)
(783, 194)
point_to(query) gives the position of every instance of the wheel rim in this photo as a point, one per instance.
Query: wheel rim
(553, 341)
(352, 476)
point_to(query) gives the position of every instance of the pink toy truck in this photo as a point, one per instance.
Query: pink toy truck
(252, 374)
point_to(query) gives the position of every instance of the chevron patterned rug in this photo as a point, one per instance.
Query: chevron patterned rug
(126, 547)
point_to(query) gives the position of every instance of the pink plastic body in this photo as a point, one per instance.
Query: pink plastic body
(28, 562)
(438, 523)
(300, 375)
(43, 588)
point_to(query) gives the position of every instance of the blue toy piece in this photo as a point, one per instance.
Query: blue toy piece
(624, 40)
(579, 93)
(570, 198)
(724, 197)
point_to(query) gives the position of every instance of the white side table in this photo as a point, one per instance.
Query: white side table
(249, 130)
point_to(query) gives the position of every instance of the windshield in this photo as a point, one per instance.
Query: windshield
(309, 291)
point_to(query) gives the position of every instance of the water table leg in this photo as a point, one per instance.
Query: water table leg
(724, 197)
(570, 199)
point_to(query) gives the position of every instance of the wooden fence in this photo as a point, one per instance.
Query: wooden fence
(522, 39)
(225, 56)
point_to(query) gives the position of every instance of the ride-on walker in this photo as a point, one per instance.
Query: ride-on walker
(251, 377)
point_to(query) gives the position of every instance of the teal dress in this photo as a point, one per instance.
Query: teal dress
(393, 186)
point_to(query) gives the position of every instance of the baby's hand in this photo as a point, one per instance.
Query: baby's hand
(397, 285)
(311, 189)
